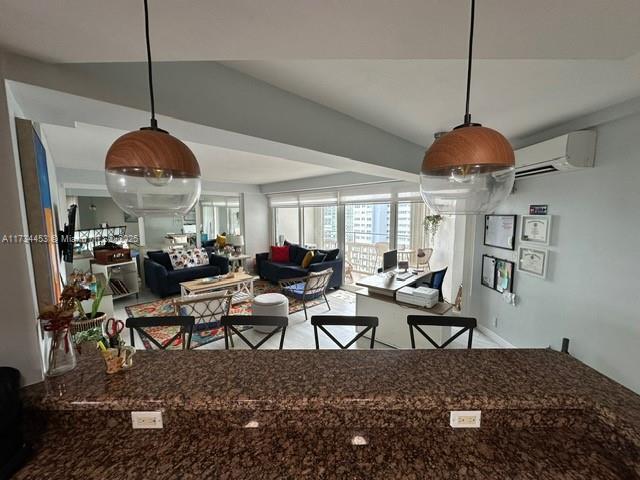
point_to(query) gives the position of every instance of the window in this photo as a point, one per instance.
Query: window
(367, 234)
(410, 234)
(287, 224)
(321, 227)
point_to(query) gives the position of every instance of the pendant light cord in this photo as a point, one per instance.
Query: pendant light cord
(467, 115)
(154, 123)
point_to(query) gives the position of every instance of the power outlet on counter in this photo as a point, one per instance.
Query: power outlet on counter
(465, 418)
(146, 419)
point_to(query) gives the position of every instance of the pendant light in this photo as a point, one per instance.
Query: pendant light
(470, 169)
(149, 171)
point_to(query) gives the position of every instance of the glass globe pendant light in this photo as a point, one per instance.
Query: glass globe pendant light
(471, 169)
(149, 171)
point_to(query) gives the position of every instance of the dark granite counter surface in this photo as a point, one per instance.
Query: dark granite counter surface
(544, 415)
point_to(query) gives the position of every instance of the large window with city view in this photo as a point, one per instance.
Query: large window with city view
(410, 235)
(367, 234)
(320, 226)
(364, 226)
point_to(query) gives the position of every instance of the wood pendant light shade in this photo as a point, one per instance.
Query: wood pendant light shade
(151, 149)
(468, 146)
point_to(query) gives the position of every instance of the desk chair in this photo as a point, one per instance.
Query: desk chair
(230, 322)
(436, 280)
(416, 321)
(320, 321)
(140, 323)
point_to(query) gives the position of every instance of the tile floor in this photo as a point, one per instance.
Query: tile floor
(299, 334)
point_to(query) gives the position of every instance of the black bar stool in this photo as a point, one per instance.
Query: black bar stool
(320, 321)
(230, 322)
(416, 321)
(185, 323)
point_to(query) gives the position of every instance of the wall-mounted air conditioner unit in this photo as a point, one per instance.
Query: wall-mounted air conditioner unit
(573, 151)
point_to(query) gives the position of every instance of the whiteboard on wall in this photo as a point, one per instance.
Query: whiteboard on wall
(500, 231)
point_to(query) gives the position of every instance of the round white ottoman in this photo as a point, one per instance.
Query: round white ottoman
(273, 304)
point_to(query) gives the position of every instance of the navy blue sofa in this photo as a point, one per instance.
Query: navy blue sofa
(163, 280)
(276, 271)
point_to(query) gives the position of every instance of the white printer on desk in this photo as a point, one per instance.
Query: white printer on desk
(421, 296)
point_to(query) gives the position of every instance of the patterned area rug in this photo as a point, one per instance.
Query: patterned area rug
(164, 307)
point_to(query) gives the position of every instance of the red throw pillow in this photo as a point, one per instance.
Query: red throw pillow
(280, 254)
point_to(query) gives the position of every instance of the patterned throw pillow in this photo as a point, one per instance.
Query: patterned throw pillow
(179, 258)
(197, 257)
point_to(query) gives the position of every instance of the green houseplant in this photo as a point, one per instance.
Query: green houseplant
(431, 225)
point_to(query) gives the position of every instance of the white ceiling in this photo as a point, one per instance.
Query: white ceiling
(416, 98)
(85, 148)
(105, 31)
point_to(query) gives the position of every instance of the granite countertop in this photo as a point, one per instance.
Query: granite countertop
(544, 415)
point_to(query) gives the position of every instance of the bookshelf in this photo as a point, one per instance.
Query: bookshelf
(122, 277)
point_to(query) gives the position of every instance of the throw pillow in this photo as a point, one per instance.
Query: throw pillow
(197, 257)
(221, 240)
(332, 254)
(296, 254)
(306, 261)
(179, 258)
(280, 254)
(318, 258)
(162, 258)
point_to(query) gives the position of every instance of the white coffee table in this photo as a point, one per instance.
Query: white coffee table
(241, 285)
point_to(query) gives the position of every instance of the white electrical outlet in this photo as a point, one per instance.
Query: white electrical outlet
(465, 419)
(146, 419)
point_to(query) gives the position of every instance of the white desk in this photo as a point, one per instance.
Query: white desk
(378, 300)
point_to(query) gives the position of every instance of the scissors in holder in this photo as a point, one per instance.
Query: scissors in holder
(114, 328)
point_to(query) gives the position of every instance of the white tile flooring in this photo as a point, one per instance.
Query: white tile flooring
(299, 333)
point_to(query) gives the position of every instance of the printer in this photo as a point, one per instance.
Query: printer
(420, 297)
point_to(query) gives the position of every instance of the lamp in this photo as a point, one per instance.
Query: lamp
(237, 241)
(149, 171)
(471, 169)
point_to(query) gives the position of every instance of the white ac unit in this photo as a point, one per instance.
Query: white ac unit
(573, 151)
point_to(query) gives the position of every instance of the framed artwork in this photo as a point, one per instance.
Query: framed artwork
(41, 218)
(488, 271)
(533, 260)
(504, 275)
(538, 209)
(500, 231)
(535, 229)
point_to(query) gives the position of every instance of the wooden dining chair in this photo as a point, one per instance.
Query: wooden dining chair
(418, 321)
(185, 323)
(322, 321)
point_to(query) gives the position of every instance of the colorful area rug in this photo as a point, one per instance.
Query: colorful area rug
(164, 307)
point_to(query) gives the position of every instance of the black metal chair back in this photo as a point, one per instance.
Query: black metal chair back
(322, 321)
(417, 321)
(230, 322)
(139, 324)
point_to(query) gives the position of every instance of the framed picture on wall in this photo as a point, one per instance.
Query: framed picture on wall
(533, 260)
(488, 271)
(500, 231)
(504, 275)
(535, 229)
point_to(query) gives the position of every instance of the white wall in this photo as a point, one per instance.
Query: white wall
(255, 216)
(592, 292)
(20, 345)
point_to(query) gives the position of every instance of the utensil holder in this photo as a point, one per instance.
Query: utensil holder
(118, 359)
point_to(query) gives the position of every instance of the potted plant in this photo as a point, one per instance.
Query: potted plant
(93, 318)
(56, 322)
(431, 225)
